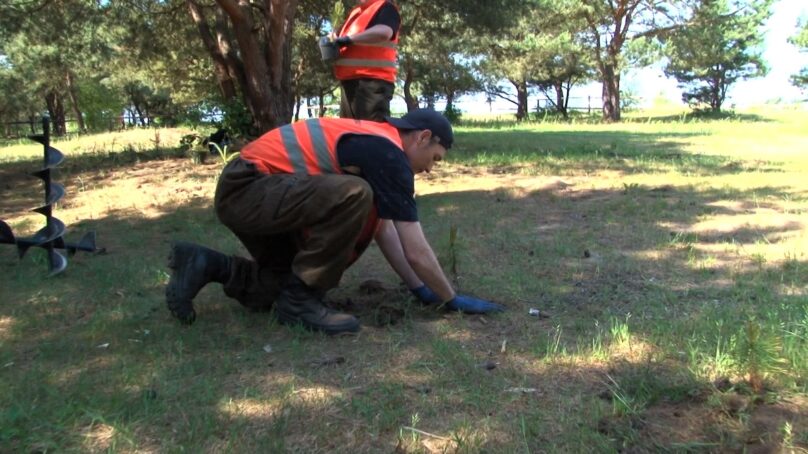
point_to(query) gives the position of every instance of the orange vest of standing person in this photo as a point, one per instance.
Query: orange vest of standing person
(310, 147)
(374, 61)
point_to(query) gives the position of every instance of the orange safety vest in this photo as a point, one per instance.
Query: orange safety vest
(375, 61)
(310, 147)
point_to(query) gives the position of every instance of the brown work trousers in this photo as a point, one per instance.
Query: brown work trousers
(289, 223)
(366, 99)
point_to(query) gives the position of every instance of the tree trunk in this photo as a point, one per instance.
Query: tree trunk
(567, 98)
(56, 110)
(611, 94)
(607, 52)
(217, 49)
(142, 116)
(521, 99)
(561, 106)
(74, 100)
(409, 77)
(715, 95)
(430, 102)
(262, 62)
(450, 102)
(321, 100)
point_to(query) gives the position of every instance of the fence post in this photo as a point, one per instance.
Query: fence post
(589, 105)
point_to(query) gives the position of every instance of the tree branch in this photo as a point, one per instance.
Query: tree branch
(232, 9)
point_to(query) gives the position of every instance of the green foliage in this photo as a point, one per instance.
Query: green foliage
(53, 47)
(453, 251)
(101, 104)
(237, 118)
(382, 407)
(720, 46)
(19, 101)
(435, 56)
(644, 51)
(629, 99)
(156, 105)
(492, 16)
(758, 353)
(453, 113)
(543, 49)
(611, 28)
(313, 78)
(801, 40)
(158, 47)
(440, 41)
(192, 141)
(225, 155)
(337, 15)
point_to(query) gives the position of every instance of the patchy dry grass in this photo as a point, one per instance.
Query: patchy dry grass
(667, 257)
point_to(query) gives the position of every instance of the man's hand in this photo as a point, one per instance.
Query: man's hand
(328, 50)
(425, 295)
(471, 305)
(467, 304)
(343, 41)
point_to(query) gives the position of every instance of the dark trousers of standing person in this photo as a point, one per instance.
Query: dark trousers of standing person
(366, 99)
(300, 224)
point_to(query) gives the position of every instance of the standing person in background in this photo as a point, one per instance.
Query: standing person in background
(366, 66)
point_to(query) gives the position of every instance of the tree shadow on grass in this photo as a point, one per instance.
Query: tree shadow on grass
(96, 351)
(93, 161)
(579, 118)
(562, 152)
(20, 191)
(698, 117)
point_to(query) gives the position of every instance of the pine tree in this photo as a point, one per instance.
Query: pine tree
(720, 46)
(801, 40)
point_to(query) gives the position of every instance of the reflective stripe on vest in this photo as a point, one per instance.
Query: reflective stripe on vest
(377, 60)
(309, 146)
(295, 151)
(367, 63)
(387, 44)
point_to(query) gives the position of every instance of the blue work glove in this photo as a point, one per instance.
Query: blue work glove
(425, 295)
(471, 305)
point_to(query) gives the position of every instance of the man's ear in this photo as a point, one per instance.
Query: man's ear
(424, 136)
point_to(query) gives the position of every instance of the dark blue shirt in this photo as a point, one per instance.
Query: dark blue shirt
(386, 169)
(387, 15)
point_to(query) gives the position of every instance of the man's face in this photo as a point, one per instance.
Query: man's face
(425, 152)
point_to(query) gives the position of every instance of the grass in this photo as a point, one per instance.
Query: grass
(669, 253)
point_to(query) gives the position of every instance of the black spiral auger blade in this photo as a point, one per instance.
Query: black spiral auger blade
(51, 236)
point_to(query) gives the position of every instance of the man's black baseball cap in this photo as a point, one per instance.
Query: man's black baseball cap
(420, 119)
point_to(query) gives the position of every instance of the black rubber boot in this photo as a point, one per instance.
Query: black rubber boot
(192, 267)
(300, 304)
